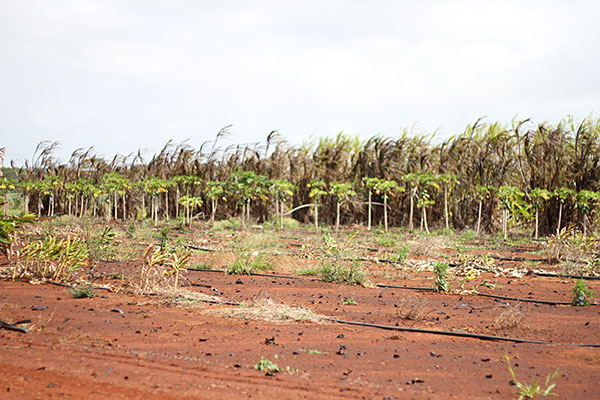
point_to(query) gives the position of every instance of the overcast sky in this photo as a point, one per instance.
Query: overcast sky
(122, 75)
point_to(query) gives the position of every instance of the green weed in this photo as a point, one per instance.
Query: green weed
(533, 389)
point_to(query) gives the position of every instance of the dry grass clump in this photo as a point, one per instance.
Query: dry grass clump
(510, 318)
(267, 310)
(412, 308)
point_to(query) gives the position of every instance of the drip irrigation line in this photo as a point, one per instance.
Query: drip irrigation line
(14, 327)
(553, 303)
(250, 274)
(555, 275)
(457, 334)
(73, 286)
(429, 289)
(500, 258)
(189, 246)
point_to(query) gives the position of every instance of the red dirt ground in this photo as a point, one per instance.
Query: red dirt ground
(81, 348)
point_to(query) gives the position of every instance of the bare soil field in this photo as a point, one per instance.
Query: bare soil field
(390, 338)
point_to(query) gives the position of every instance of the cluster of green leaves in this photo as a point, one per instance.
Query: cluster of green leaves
(247, 262)
(441, 276)
(52, 258)
(336, 272)
(534, 388)
(9, 227)
(581, 294)
(163, 262)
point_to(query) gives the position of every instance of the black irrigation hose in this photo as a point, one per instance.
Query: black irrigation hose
(553, 303)
(405, 287)
(73, 286)
(14, 327)
(250, 274)
(458, 334)
(429, 289)
(555, 275)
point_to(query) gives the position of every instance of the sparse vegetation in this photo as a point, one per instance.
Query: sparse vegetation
(441, 277)
(533, 389)
(83, 292)
(581, 294)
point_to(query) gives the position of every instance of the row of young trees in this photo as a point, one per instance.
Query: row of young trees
(490, 174)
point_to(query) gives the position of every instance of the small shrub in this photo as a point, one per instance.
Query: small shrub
(581, 294)
(412, 308)
(441, 276)
(83, 292)
(333, 272)
(349, 301)
(401, 255)
(130, 234)
(386, 241)
(308, 271)
(267, 366)
(232, 223)
(510, 318)
(533, 389)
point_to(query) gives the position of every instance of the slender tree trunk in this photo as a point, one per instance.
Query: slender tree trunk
(6, 205)
(584, 224)
(248, 212)
(316, 216)
(39, 206)
(412, 207)
(167, 204)
(124, 208)
(559, 218)
(385, 213)
(369, 213)
(505, 223)
(51, 211)
(115, 205)
(536, 222)
(425, 220)
(143, 206)
(281, 214)
(26, 204)
(213, 211)
(446, 208)
(70, 203)
(337, 217)
(479, 217)
(177, 202)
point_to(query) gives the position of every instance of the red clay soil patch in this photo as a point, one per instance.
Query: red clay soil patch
(85, 348)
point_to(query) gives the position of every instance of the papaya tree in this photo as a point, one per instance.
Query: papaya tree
(116, 184)
(513, 203)
(213, 191)
(154, 187)
(341, 191)
(317, 190)
(386, 188)
(412, 179)
(448, 181)
(282, 189)
(585, 201)
(190, 203)
(370, 184)
(248, 186)
(481, 193)
(6, 185)
(538, 197)
(563, 194)
(188, 182)
(426, 181)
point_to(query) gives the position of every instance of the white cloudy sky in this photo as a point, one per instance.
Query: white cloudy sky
(121, 75)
